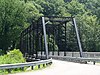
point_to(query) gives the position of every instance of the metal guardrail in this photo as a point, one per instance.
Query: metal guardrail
(22, 65)
(77, 59)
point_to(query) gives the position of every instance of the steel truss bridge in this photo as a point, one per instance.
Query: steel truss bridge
(50, 37)
(50, 34)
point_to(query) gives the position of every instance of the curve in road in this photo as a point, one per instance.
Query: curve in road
(65, 68)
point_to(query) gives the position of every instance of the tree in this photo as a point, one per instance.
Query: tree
(94, 7)
(14, 16)
(87, 22)
(53, 7)
(12, 20)
(89, 29)
(74, 8)
(32, 10)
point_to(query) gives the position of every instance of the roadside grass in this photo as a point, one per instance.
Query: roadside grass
(13, 57)
(26, 69)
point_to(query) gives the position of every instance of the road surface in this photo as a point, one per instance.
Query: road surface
(65, 68)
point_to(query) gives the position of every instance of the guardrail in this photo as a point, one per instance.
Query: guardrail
(76, 59)
(22, 65)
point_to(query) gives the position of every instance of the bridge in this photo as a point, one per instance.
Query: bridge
(49, 38)
(50, 33)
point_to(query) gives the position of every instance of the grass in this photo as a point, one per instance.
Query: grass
(41, 66)
(12, 57)
(18, 70)
(15, 56)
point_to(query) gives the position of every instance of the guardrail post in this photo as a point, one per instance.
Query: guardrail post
(93, 62)
(49, 63)
(32, 67)
(38, 66)
(64, 53)
(9, 70)
(43, 65)
(72, 54)
(46, 64)
(22, 68)
(85, 62)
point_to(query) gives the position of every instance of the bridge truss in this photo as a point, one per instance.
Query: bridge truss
(50, 33)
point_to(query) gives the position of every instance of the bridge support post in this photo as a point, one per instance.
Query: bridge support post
(78, 38)
(45, 38)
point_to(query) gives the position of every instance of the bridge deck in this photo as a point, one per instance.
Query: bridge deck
(65, 68)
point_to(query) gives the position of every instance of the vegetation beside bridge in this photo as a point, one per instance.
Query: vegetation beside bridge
(16, 15)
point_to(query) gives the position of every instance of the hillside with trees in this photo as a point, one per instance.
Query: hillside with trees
(16, 15)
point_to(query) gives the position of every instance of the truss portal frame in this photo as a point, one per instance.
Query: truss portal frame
(49, 19)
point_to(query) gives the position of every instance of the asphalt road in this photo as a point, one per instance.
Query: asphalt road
(65, 68)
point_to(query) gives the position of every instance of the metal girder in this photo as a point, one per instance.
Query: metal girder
(78, 38)
(45, 38)
(61, 20)
(48, 25)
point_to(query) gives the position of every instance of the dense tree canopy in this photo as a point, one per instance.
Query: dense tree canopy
(12, 20)
(16, 15)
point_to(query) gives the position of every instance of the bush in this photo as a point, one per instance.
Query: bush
(12, 57)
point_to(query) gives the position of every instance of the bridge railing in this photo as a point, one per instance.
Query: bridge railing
(73, 54)
(76, 59)
(27, 64)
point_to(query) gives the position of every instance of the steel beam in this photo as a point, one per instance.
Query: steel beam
(45, 38)
(78, 38)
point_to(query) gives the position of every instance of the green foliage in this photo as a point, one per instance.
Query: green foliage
(51, 43)
(89, 30)
(12, 57)
(74, 8)
(16, 15)
(12, 20)
(32, 10)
